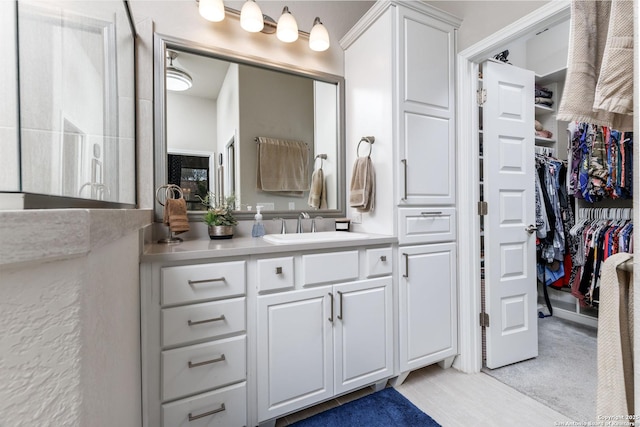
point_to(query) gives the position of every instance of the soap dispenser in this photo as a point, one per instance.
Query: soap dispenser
(258, 226)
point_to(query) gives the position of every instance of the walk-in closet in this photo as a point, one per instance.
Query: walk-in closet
(578, 176)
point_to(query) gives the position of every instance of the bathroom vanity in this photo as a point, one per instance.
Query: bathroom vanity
(245, 331)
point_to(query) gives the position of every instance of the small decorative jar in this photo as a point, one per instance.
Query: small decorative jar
(221, 231)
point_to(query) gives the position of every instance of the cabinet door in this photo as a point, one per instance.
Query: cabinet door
(363, 340)
(428, 315)
(295, 351)
(425, 111)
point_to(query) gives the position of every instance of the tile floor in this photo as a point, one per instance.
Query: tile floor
(454, 399)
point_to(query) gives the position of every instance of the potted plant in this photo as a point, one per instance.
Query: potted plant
(219, 216)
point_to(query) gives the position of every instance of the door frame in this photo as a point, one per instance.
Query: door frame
(470, 333)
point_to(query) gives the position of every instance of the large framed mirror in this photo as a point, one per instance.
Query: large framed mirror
(232, 104)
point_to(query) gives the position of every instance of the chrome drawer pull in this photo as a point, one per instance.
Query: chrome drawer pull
(278, 270)
(340, 298)
(331, 317)
(207, 362)
(200, 322)
(430, 213)
(406, 265)
(195, 282)
(404, 162)
(206, 414)
(383, 258)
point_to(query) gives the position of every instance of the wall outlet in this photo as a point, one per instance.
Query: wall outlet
(356, 217)
(292, 206)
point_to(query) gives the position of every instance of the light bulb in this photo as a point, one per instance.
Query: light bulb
(319, 37)
(251, 17)
(211, 10)
(287, 27)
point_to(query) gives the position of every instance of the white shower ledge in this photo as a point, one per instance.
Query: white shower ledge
(43, 235)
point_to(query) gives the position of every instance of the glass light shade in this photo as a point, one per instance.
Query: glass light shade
(178, 80)
(211, 10)
(287, 27)
(319, 37)
(251, 17)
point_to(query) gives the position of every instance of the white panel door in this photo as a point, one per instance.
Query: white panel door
(428, 301)
(509, 168)
(295, 351)
(363, 339)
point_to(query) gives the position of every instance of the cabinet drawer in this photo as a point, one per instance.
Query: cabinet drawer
(191, 283)
(275, 273)
(379, 262)
(329, 267)
(200, 321)
(426, 225)
(226, 407)
(212, 365)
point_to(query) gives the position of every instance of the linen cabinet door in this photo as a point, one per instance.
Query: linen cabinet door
(428, 304)
(363, 339)
(295, 351)
(426, 111)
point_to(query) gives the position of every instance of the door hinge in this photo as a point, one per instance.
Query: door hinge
(483, 208)
(482, 96)
(484, 320)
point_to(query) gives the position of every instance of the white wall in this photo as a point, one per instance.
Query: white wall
(326, 134)
(191, 122)
(66, 357)
(229, 117)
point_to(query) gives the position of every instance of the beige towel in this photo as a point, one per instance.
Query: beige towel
(590, 23)
(283, 166)
(614, 92)
(175, 215)
(318, 191)
(615, 340)
(363, 185)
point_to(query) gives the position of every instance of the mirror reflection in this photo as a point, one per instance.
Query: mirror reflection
(270, 138)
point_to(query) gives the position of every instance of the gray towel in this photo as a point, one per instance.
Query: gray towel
(363, 185)
(283, 166)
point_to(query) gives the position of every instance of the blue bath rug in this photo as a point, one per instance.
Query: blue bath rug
(382, 409)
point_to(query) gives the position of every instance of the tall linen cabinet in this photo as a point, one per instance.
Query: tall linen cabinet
(400, 79)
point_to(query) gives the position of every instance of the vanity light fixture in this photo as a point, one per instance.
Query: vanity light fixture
(253, 20)
(319, 36)
(287, 27)
(177, 78)
(211, 10)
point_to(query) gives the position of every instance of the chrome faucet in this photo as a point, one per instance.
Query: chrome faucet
(300, 217)
(283, 226)
(313, 224)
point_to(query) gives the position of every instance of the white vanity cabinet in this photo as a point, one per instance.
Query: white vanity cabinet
(242, 335)
(194, 343)
(325, 338)
(400, 80)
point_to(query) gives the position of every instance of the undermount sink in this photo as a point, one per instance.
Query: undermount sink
(320, 236)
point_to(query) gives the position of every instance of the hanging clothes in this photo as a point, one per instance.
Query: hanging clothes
(598, 239)
(601, 163)
(553, 217)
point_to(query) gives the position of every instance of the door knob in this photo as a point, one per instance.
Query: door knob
(531, 228)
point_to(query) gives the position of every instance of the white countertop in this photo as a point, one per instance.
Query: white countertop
(240, 246)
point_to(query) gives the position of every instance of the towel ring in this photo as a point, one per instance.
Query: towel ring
(170, 191)
(368, 139)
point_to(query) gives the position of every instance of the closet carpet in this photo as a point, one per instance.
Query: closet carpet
(563, 376)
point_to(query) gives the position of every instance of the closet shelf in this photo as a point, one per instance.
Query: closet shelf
(544, 109)
(542, 140)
